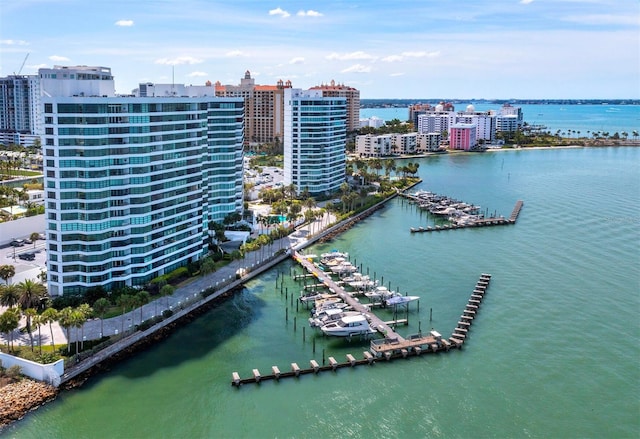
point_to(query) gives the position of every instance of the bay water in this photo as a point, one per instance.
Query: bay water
(585, 119)
(553, 352)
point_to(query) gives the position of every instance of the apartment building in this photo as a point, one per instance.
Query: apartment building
(315, 137)
(352, 96)
(19, 109)
(463, 136)
(264, 107)
(132, 184)
(372, 146)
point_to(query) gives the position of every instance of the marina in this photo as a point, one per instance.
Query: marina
(458, 214)
(391, 346)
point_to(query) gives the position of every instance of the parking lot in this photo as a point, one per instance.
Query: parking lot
(28, 260)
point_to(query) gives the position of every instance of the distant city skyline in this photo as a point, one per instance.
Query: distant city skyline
(515, 49)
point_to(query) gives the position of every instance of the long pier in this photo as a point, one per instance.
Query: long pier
(391, 347)
(482, 222)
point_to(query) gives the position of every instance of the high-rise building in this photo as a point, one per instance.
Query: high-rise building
(315, 138)
(352, 95)
(463, 136)
(264, 107)
(76, 81)
(19, 109)
(132, 184)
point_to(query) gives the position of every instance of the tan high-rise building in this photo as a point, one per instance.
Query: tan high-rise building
(353, 101)
(264, 107)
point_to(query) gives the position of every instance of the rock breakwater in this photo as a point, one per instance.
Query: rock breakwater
(19, 398)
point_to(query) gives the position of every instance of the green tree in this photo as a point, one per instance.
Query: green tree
(34, 237)
(167, 291)
(124, 301)
(31, 296)
(140, 300)
(66, 320)
(7, 272)
(47, 317)
(9, 321)
(30, 314)
(100, 307)
(9, 295)
(87, 313)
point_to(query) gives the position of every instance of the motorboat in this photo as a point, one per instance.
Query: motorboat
(317, 310)
(330, 315)
(317, 296)
(348, 326)
(379, 293)
(398, 299)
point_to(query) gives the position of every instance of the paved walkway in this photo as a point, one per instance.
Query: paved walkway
(95, 329)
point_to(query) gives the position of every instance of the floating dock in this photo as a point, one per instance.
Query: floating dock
(483, 222)
(391, 347)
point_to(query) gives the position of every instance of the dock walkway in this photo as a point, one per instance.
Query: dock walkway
(374, 321)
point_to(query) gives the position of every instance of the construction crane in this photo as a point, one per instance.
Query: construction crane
(22, 66)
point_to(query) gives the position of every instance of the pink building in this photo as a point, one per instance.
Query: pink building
(463, 136)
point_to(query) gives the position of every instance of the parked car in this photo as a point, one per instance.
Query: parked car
(17, 242)
(28, 241)
(27, 256)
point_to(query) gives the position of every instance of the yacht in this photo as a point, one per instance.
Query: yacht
(348, 326)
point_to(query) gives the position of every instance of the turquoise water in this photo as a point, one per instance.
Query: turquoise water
(584, 118)
(553, 352)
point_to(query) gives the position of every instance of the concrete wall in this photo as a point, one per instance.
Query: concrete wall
(21, 228)
(49, 373)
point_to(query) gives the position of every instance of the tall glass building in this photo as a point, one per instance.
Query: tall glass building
(132, 184)
(315, 139)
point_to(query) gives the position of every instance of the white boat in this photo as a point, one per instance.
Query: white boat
(330, 315)
(333, 305)
(379, 293)
(348, 326)
(398, 299)
(317, 296)
(344, 268)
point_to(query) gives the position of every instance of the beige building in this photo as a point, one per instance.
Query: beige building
(353, 101)
(264, 107)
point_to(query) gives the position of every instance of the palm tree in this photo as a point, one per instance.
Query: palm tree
(100, 307)
(167, 291)
(9, 321)
(30, 314)
(9, 295)
(124, 301)
(140, 299)
(65, 318)
(37, 321)
(7, 272)
(34, 237)
(31, 295)
(49, 316)
(78, 320)
(87, 313)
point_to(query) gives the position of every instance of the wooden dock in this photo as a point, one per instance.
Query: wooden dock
(390, 347)
(484, 222)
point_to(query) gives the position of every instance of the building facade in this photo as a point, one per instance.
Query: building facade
(315, 137)
(77, 81)
(264, 108)
(19, 109)
(463, 136)
(372, 146)
(352, 96)
(132, 184)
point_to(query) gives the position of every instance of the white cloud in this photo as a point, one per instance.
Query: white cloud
(178, 60)
(404, 55)
(396, 74)
(392, 58)
(279, 11)
(357, 68)
(297, 60)
(525, 2)
(57, 58)
(195, 74)
(14, 42)
(350, 56)
(309, 13)
(38, 66)
(124, 23)
(235, 53)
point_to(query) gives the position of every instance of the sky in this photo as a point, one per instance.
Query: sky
(402, 49)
